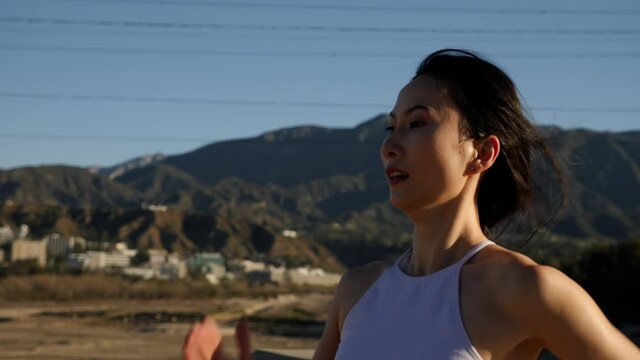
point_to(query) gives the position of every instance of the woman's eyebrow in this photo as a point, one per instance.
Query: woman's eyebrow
(410, 110)
(416, 107)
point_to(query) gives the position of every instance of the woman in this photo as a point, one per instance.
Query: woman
(459, 159)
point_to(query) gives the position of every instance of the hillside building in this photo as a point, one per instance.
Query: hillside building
(157, 257)
(6, 234)
(23, 232)
(57, 245)
(309, 276)
(29, 250)
(207, 263)
(99, 260)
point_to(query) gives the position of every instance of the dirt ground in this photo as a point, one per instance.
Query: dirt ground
(140, 329)
(154, 329)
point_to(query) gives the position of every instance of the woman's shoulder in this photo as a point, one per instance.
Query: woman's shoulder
(355, 283)
(365, 275)
(510, 274)
(546, 304)
(522, 289)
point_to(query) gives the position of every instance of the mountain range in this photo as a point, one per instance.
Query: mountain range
(327, 184)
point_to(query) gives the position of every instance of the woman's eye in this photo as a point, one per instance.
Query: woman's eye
(389, 128)
(417, 123)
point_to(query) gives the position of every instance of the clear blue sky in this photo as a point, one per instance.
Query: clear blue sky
(96, 82)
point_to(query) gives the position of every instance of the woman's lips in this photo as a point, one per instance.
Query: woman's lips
(393, 180)
(396, 175)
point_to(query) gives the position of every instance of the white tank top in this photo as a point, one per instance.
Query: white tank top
(409, 317)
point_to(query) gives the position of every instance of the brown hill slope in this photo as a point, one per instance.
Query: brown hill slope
(328, 184)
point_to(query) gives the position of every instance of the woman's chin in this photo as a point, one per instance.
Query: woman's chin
(399, 203)
(409, 205)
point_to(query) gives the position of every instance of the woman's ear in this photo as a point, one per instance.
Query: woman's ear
(487, 151)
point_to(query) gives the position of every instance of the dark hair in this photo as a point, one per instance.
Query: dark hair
(489, 104)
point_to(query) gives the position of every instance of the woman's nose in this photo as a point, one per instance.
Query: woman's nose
(389, 149)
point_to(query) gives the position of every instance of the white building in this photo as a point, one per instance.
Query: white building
(317, 276)
(23, 232)
(99, 260)
(278, 274)
(6, 234)
(28, 250)
(140, 272)
(160, 266)
(269, 274)
(175, 267)
(155, 207)
(249, 266)
(157, 257)
(172, 271)
(290, 233)
(57, 245)
(123, 248)
(207, 263)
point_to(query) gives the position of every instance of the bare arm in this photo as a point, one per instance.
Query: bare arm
(565, 318)
(328, 345)
(352, 286)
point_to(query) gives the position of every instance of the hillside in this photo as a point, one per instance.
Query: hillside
(328, 184)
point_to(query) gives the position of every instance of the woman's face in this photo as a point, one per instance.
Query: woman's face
(424, 157)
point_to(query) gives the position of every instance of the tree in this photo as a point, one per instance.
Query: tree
(610, 275)
(141, 257)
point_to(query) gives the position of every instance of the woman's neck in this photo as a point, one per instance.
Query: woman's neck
(443, 235)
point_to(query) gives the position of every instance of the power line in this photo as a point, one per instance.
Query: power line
(333, 37)
(188, 101)
(257, 139)
(432, 9)
(102, 137)
(586, 109)
(205, 52)
(330, 54)
(314, 28)
(209, 101)
(92, 137)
